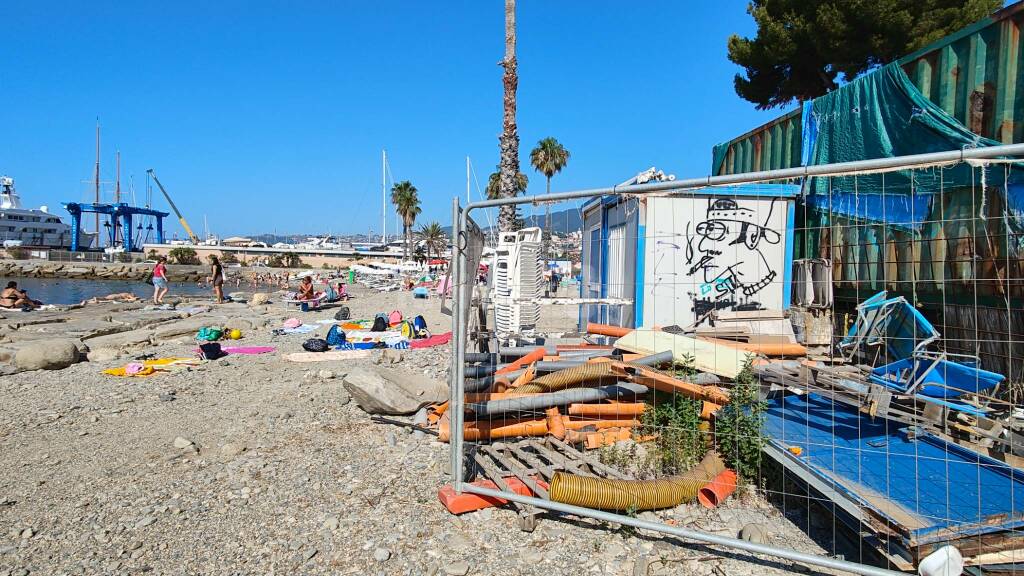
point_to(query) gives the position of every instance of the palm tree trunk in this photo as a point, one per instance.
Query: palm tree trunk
(509, 141)
(547, 224)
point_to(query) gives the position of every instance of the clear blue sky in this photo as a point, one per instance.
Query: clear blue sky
(272, 116)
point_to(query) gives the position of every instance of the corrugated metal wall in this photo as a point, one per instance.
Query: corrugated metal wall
(975, 75)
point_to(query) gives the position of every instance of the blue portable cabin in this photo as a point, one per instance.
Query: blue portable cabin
(647, 252)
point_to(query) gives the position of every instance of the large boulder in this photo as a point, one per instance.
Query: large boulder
(47, 355)
(259, 299)
(380, 390)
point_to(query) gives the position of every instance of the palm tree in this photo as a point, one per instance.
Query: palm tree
(407, 204)
(493, 189)
(548, 158)
(509, 140)
(433, 238)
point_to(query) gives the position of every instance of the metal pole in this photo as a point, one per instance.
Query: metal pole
(384, 197)
(736, 543)
(453, 276)
(875, 165)
(459, 351)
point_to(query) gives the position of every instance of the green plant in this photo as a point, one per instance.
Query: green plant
(124, 257)
(229, 258)
(182, 255)
(286, 260)
(679, 444)
(18, 253)
(738, 426)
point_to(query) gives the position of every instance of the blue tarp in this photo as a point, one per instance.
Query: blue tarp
(901, 210)
(935, 490)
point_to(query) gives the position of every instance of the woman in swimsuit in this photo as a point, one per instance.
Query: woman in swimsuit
(11, 297)
(160, 280)
(217, 278)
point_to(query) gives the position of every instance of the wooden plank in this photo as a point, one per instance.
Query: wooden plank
(559, 459)
(519, 471)
(707, 356)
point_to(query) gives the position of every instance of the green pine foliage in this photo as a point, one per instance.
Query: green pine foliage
(806, 48)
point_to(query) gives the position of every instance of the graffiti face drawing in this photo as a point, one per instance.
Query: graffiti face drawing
(725, 254)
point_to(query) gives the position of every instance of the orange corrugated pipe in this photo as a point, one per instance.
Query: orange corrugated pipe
(607, 330)
(720, 488)
(620, 409)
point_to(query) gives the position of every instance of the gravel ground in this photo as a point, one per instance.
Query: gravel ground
(253, 465)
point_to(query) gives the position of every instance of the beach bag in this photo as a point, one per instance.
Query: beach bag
(380, 324)
(395, 318)
(419, 324)
(343, 314)
(315, 345)
(211, 351)
(335, 337)
(407, 329)
(209, 333)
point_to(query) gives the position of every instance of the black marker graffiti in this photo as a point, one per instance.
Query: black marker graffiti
(724, 242)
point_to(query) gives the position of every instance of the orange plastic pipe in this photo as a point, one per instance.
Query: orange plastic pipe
(530, 358)
(571, 347)
(615, 410)
(599, 424)
(484, 430)
(720, 488)
(460, 503)
(607, 330)
(665, 383)
(556, 425)
(708, 409)
(608, 437)
(766, 348)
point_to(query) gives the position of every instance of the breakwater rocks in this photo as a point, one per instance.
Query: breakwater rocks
(96, 271)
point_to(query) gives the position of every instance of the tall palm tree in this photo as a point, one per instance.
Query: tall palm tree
(493, 189)
(509, 140)
(407, 204)
(433, 238)
(548, 158)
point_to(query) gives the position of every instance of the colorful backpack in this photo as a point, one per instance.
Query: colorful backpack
(395, 318)
(209, 333)
(380, 323)
(419, 325)
(335, 336)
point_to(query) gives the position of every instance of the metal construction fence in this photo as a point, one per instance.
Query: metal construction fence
(838, 364)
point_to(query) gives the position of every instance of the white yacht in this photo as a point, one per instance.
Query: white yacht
(32, 226)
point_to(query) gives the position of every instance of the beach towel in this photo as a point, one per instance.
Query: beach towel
(394, 343)
(247, 350)
(435, 340)
(301, 329)
(149, 367)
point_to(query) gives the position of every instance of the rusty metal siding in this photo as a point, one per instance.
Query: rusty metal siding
(772, 146)
(975, 74)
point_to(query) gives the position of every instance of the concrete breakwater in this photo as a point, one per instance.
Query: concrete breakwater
(97, 270)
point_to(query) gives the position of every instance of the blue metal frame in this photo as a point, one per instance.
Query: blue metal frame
(787, 274)
(114, 211)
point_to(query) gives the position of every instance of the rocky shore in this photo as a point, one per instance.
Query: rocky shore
(259, 465)
(96, 270)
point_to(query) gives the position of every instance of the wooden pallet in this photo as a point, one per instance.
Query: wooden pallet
(535, 459)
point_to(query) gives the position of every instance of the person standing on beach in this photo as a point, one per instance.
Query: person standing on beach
(217, 278)
(160, 280)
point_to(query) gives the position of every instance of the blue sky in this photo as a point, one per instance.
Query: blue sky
(271, 115)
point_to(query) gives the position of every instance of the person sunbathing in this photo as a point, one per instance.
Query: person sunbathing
(306, 289)
(11, 297)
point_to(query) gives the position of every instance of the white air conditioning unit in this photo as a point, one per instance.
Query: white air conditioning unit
(518, 279)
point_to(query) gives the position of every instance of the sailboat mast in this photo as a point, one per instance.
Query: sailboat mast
(96, 180)
(384, 197)
(117, 190)
(468, 201)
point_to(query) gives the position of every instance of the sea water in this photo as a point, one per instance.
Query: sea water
(73, 291)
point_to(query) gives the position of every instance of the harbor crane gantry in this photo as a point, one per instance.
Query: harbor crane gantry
(188, 230)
